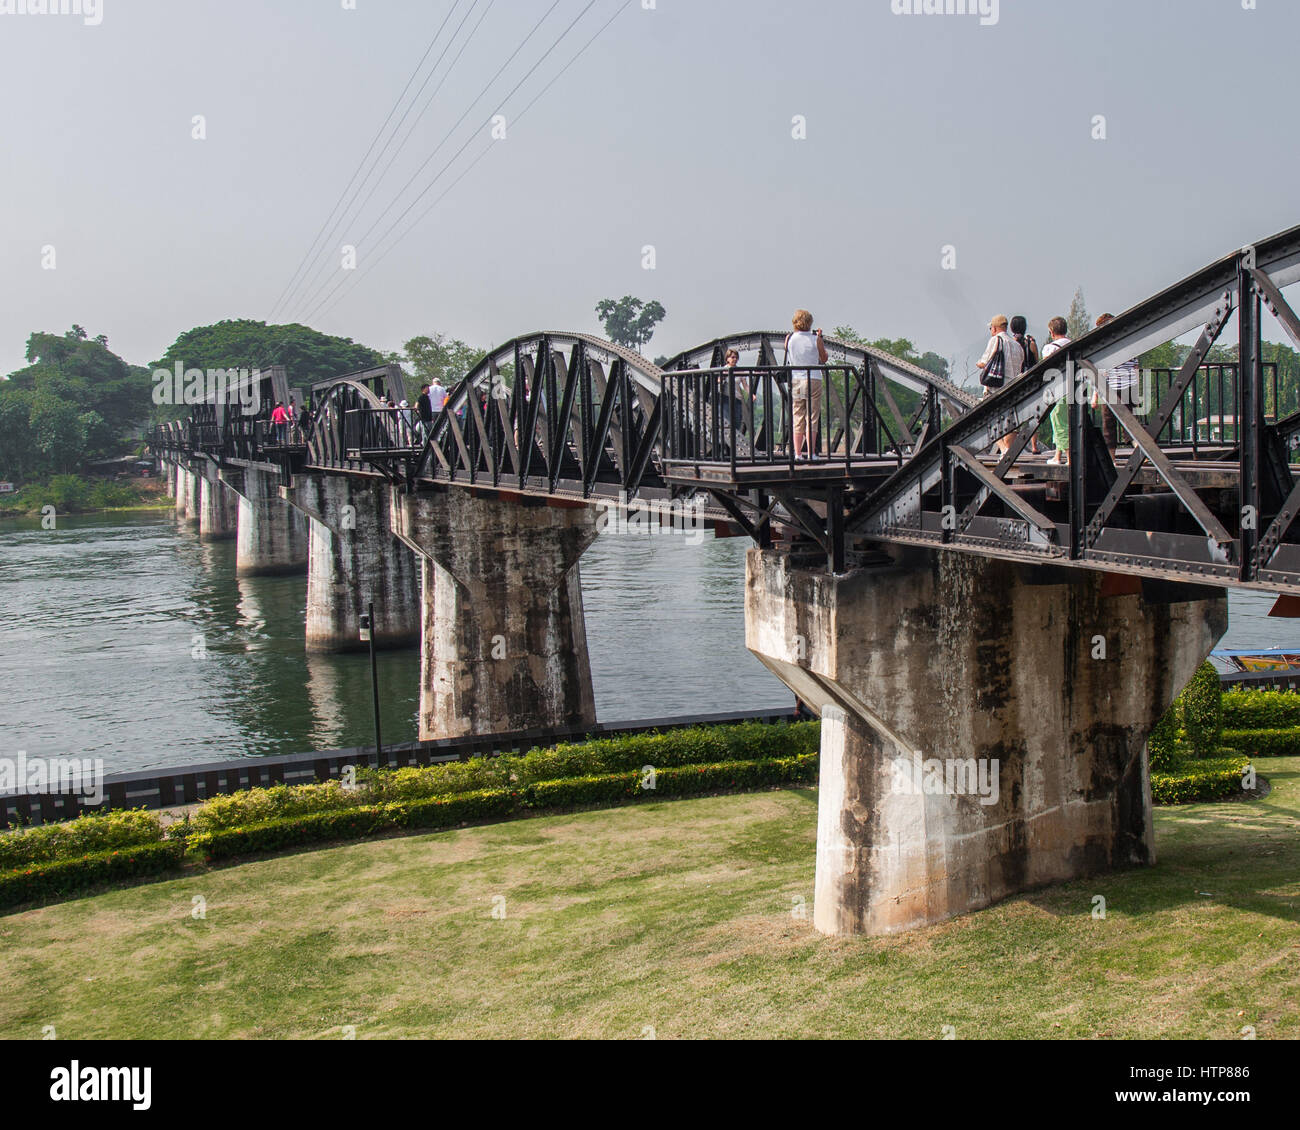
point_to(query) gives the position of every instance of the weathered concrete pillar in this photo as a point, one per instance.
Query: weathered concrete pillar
(189, 481)
(984, 724)
(504, 642)
(353, 559)
(168, 473)
(271, 539)
(218, 507)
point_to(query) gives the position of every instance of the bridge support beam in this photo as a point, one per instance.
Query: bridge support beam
(504, 643)
(218, 507)
(188, 491)
(271, 538)
(947, 665)
(354, 559)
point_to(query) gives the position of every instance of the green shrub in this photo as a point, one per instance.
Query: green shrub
(695, 745)
(359, 821)
(62, 876)
(91, 832)
(1162, 744)
(1264, 742)
(1199, 780)
(1202, 711)
(1261, 710)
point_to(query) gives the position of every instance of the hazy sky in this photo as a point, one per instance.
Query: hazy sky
(673, 130)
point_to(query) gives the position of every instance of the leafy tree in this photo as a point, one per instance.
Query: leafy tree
(75, 401)
(1078, 321)
(307, 354)
(629, 321)
(440, 358)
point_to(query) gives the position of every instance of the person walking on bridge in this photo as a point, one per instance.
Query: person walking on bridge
(280, 421)
(804, 346)
(1060, 415)
(1119, 384)
(1001, 364)
(424, 409)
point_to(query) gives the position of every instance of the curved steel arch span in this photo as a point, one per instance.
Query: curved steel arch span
(556, 411)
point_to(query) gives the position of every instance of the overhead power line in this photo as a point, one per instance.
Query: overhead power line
(332, 297)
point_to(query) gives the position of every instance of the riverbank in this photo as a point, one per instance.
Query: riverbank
(75, 494)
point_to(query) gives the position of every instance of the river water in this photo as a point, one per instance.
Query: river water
(124, 637)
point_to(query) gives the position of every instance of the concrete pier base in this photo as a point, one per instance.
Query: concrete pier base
(189, 482)
(218, 508)
(271, 536)
(167, 471)
(353, 559)
(984, 724)
(504, 642)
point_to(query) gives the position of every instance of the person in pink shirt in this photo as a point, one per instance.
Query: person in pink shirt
(280, 419)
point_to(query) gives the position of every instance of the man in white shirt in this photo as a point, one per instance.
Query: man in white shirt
(995, 374)
(437, 396)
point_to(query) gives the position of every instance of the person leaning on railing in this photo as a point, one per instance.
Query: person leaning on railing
(803, 346)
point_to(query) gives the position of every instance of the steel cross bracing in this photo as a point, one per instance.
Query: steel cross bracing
(1185, 525)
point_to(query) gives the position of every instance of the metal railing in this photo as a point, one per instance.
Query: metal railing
(1208, 414)
(745, 417)
(374, 431)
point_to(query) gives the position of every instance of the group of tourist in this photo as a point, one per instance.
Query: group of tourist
(289, 422)
(416, 424)
(1012, 351)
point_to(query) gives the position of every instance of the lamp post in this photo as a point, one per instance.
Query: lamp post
(368, 636)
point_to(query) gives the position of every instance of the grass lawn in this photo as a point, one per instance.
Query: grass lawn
(674, 916)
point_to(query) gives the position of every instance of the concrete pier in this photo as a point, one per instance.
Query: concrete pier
(189, 484)
(353, 559)
(984, 724)
(218, 507)
(167, 472)
(504, 641)
(271, 536)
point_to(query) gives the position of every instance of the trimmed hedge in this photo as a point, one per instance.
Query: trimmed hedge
(84, 835)
(1264, 743)
(1202, 710)
(63, 876)
(1200, 780)
(695, 745)
(359, 821)
(1261, 710)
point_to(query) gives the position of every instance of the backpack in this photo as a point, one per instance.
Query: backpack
(1030, 346)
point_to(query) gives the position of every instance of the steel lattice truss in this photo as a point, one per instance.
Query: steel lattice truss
(577, 417)
(1225, 529)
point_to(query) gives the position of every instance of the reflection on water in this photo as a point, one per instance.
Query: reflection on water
(126, 638)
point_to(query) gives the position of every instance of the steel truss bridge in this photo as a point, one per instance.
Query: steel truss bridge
(1201, 489)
